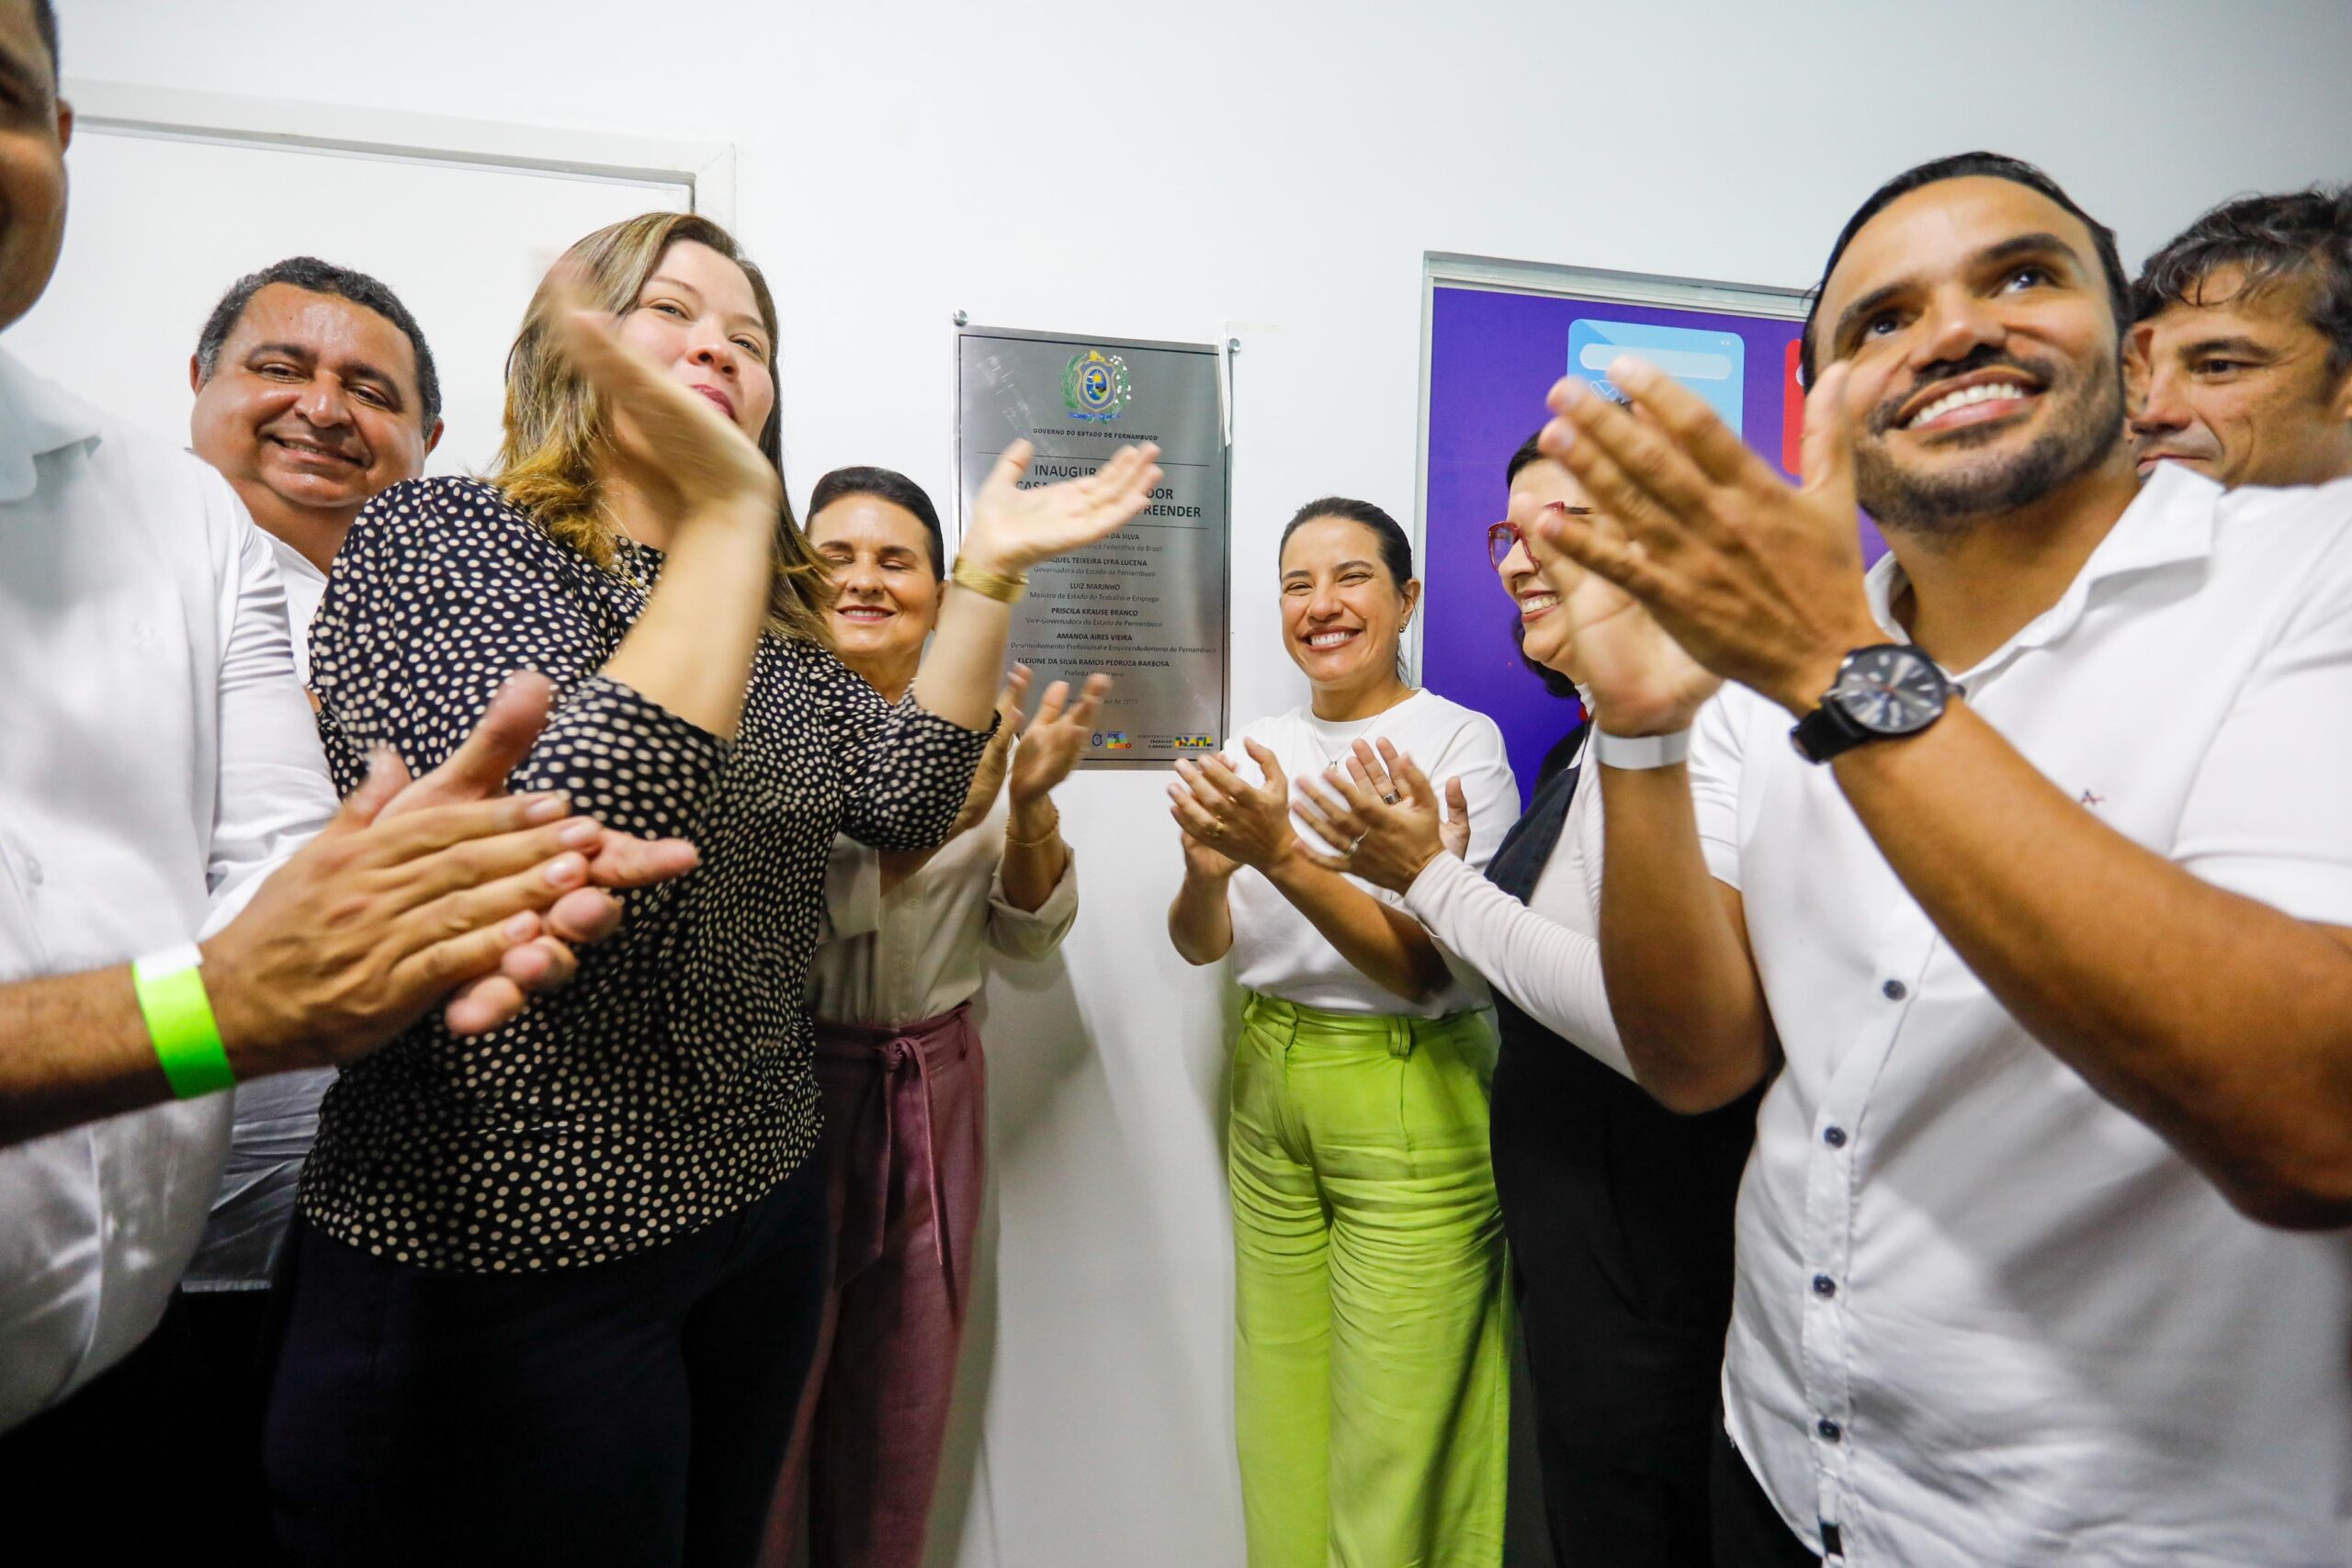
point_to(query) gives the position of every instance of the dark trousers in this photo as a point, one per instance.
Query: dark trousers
(1619, 1214)
(1750, 1531)
(158, 1459)
(632, 1414)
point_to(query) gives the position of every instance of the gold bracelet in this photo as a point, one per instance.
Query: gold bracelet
(993, 585)
(1053, 830)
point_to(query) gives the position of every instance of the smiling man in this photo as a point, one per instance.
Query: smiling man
(2241, 351)
(314, 389)
(2040, 934)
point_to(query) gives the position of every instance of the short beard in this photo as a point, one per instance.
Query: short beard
(2084, 434)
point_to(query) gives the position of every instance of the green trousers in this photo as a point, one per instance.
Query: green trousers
(1370, 1365)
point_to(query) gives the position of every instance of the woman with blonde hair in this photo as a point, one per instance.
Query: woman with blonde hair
(554, 1289)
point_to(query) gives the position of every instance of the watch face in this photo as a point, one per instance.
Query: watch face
(1890, 691)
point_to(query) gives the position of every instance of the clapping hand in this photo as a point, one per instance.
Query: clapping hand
(987, 777)
(1382, 818)
(1205, 863)
(1760, 580)
(1641, 680)
(1053, 739)
(1214, 805)
(1012, 529)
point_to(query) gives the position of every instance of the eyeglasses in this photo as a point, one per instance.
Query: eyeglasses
(1505, 537)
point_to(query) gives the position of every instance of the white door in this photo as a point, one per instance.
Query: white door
(159, 226)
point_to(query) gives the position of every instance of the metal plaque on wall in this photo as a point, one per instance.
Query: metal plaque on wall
(1146, 606)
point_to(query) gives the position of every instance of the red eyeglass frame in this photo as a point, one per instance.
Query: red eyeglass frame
(1502, 536)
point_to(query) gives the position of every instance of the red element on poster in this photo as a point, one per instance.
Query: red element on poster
(1792, 413)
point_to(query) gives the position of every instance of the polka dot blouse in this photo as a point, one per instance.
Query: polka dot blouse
(671, 1082)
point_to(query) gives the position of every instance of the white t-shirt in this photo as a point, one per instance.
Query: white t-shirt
(1276, 949)
(1982, 1314)
(278, 1117)
(305, 586)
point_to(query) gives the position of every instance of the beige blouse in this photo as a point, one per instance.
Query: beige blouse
(918, 951)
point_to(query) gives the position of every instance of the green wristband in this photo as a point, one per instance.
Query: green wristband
(179, 1021)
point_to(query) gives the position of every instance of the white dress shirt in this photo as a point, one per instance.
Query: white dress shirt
(1543, 955)
(895, 958)
(277, 1118)
(160, 762)
(1983, 1317)
(1277, 950)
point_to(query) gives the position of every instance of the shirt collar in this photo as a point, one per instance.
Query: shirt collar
(36, 416)
(2168, 522)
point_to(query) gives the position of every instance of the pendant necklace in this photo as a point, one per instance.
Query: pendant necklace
(1362, 728)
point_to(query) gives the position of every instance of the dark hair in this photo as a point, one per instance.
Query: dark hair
(321, 277)
(1396, 549)
(885, 484)
(1961, 166)
(1559, 685)
(2271, 240)
(45, 23)
(1527, 455)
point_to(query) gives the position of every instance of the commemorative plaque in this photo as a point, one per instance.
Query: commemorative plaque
(1146, 606)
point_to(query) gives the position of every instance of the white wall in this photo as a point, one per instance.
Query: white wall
(1275, 169)
(120, 331)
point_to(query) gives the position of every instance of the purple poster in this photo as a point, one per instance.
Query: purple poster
(1493, 356)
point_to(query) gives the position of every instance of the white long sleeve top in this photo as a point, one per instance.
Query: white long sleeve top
(1543, 955)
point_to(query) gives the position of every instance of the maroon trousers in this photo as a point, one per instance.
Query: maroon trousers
(904, 1144)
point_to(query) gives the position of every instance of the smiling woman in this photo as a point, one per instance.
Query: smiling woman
(906, 940)
(616, 1190)
(1367, 1240)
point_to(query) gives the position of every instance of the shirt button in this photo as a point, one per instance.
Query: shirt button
(1829, 1430)
(1823, 1285)
(1893, 991)
(1833, 1136)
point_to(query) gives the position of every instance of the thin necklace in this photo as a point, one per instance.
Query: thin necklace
(1362, 728)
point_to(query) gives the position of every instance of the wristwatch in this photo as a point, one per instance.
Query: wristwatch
(1883, 693)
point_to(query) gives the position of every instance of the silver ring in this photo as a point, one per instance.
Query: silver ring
(1388, 799)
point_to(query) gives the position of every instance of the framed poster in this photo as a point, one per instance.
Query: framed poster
(1496, 336)
(1146, 606)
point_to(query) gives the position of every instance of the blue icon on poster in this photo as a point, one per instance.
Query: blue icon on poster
(1714, 364)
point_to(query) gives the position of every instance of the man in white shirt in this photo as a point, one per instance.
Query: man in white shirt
(314, 389)
(161, 776)
(2054, 964)
(2239, 365)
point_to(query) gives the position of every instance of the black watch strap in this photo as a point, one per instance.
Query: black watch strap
(1827, 732)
